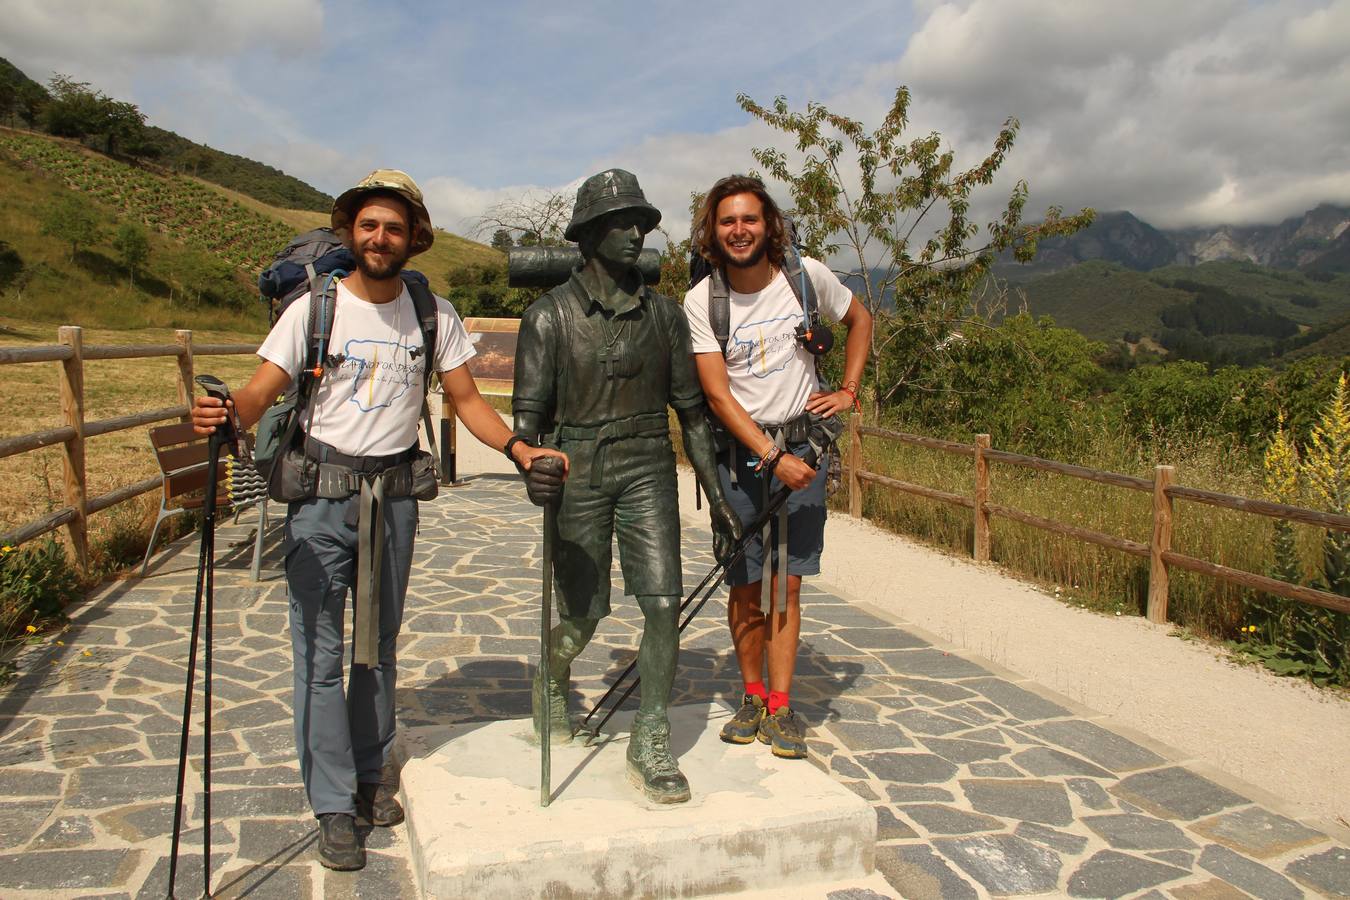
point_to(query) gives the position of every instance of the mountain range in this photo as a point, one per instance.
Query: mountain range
(1318, 241)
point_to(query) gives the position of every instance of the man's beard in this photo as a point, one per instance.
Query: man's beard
(388, 270)
(750, 261)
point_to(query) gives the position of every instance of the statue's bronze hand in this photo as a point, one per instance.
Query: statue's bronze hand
(544, 480)
(727, 530)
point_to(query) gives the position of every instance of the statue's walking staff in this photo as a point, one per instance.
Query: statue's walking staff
(553, 470)
(545, 652)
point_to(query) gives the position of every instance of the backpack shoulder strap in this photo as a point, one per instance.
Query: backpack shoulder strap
(424, 302)
(322, 311)
(719, 307)
(800, 282)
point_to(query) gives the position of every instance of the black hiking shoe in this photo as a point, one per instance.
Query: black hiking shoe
(378, 804)
(338, 847)
(745, 724)
(783, 732)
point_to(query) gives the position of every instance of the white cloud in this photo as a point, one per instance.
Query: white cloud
(1182, 113)
(159, 28)
(1195, 113)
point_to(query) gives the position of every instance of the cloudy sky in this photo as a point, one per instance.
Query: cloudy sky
(1185, 113)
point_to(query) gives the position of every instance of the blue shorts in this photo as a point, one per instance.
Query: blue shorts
(806, 516)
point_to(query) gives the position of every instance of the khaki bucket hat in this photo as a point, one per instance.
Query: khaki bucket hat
(607, 192)
(346, 205)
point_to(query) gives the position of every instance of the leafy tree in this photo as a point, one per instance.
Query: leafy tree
(872, 194)
(77, 110)
(477, 290)
(132, 246)
(31, 101)
(74, 110)
(122, 126)
(502, 240)
(1029, 384)
(73, 220)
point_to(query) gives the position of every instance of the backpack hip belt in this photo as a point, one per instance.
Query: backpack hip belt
(373, 480)
(643, 425)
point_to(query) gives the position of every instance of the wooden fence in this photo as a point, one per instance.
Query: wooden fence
(72, 353)
(1158, 550)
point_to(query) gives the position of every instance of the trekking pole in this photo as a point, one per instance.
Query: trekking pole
(225, 434)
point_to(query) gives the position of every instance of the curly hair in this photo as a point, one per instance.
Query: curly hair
(705, 222)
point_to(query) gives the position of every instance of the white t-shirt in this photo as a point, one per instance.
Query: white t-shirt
(370, 402)
(771, 374)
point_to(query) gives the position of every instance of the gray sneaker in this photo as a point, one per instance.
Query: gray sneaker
(745, 724)
(783, 732)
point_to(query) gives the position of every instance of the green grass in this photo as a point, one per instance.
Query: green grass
(93, 288)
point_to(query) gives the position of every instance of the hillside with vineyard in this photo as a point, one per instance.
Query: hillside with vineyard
(206, 244)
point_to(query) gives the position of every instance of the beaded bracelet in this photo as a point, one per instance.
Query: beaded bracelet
(769, 460)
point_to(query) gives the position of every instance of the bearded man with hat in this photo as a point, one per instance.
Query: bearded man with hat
(362, 427)
(598, 360)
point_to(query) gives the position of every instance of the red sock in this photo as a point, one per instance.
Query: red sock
(777, 700)
(756, 689)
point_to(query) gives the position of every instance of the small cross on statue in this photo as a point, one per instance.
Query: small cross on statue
(609, 357)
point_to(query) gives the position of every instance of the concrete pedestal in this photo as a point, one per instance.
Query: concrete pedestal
(755, 822)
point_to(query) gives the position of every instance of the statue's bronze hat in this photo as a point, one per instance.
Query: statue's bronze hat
(345, 206)
(610, 191)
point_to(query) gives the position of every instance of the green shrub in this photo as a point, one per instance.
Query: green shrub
(36, 582)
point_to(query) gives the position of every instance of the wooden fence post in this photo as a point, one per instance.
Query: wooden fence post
(72, 414)
(183, 337)
(982, 442)
(854, 467)
(1161, 543)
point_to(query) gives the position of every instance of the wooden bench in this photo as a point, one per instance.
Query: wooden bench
(182, 456)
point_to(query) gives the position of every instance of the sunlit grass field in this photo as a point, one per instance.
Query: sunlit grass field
(31, 484)
(1080, 573)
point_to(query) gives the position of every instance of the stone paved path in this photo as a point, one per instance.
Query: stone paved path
(982, 785)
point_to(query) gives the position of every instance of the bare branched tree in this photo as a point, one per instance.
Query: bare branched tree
(535, 218)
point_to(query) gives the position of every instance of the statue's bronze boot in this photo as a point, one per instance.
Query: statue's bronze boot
(560, 724)
(651, 766)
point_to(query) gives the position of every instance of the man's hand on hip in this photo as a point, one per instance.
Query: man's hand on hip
(826, 404)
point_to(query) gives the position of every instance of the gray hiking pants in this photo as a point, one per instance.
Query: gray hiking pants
(342, 737)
